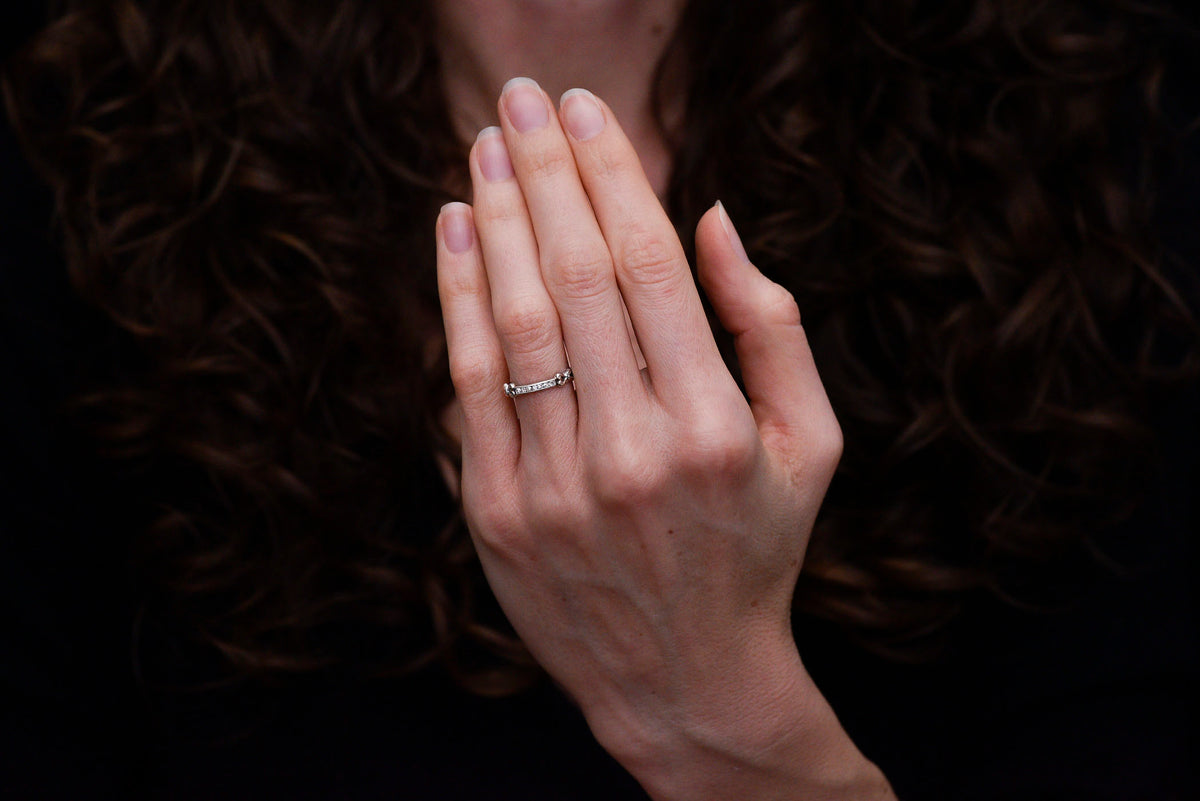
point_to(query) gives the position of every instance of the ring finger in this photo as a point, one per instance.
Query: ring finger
(526, 318)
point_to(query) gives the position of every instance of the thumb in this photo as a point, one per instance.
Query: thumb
(786, 395)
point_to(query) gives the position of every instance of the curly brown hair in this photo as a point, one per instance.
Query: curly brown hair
(959, 194)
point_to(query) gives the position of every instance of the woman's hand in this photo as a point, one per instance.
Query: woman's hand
(644, 531)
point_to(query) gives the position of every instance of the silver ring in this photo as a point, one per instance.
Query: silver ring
(513, 390)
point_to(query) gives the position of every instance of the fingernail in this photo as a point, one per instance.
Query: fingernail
(456, 228)
(493, 155)
(525, 104)
(735, 241)
(582, 113)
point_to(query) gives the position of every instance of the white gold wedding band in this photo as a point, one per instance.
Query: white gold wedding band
(513, 390)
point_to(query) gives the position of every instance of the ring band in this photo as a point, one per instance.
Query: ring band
(513, 390)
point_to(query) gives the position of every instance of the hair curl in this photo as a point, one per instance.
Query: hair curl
(247, 190)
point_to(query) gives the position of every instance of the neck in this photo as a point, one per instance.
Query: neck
(611, 47)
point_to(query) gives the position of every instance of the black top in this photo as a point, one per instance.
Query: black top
(1088, 702)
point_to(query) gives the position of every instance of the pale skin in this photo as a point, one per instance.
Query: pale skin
(610, 46)
(645, 531)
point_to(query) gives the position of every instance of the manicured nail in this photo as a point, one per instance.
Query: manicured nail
(493, 155)
(457, 229)
(735, 241)
(582, 113)
(525, 104)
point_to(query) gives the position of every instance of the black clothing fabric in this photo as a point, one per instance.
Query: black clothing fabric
(1091, 701)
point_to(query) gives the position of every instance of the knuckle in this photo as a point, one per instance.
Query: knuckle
(650, 259)
(496, 525)
(460, 284)
(780, 306)
(719, 449)
(624, 474)
(549, 162)
(829, 444)
(528, 326)
(816, 452)
(502, 535)
(489, 214)
(609, 163)
(473, 374)
(579, 272)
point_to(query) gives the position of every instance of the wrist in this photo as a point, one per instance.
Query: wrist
(768, 734)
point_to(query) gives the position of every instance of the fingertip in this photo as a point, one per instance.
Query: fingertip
(453, 207)
(491, 157)
(737, 289)
(717, 258)
(735, 241)
(709, 225)
(581, 113)
(457, 226)
(576, 92)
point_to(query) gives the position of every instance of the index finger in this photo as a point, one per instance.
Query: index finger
(651, 268)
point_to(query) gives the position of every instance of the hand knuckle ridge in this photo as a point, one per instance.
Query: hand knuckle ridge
(490, 213)
(550, 162)
(648, 259)
(818, 451)
(719, 448)
(832, 443)
(460, 284)
(580, 272)
(624, 476)
(505, 538)
(471, 371)
(527, 326)
(781, 307)
(610, 163)
(495, 525)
